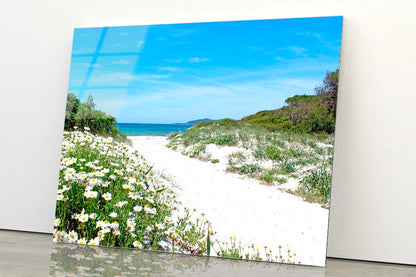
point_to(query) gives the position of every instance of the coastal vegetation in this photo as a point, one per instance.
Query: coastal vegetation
(290, 147)
(108, 194)
(79, 115)
(303, 113)
(276, 158)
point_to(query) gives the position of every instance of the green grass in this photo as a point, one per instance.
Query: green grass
(272, 152)
(272, 175)
(316, 186)
(248, 169)
(172, 135)
(286, 167)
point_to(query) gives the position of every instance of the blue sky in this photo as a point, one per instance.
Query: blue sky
(181, 72)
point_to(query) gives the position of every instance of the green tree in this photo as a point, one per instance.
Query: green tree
(329, 91)
(72, 105)
(82, 115)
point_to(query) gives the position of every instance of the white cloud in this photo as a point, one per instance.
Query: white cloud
(123, 78)
(255, 48)
(197, 60)
(320, 38)
(168, 68)
(299, 51)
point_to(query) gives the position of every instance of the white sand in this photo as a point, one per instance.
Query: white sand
(241, 206)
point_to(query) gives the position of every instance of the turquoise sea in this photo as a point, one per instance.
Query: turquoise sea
(147, 129)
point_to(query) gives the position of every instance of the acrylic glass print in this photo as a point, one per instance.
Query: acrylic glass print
(203, 138)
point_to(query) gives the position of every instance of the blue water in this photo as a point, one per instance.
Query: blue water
(145, 129)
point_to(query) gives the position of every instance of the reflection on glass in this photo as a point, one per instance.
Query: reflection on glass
(84, 260)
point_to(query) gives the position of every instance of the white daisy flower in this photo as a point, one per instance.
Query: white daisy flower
(137, 244)
(106, 230)
(107, 196)
(69, 178)
(70, 171)
(114, 225)
(90, 194)
(99, 174)
(100, 224)
(130, 222)
(137, 208)
(72, 236)
(159, 226)
(133, 195)
(120, 204)
(83, 217)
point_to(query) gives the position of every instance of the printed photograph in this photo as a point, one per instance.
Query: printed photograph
(202, 138)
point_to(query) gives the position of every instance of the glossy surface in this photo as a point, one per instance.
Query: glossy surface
(32, 254)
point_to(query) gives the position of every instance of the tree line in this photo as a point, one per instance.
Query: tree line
(79, 115)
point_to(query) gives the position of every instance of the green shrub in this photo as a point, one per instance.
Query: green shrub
(172, 135)
(196, 150)
(281, 180)
(268, 176)
(316, 187)
(271, 175)
(249, 169)
(286, 166)
(236, 158)
(225, 140)
(295, 152)
(79, 116)
(273, 152)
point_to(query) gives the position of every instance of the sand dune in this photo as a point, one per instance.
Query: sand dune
(241, 206)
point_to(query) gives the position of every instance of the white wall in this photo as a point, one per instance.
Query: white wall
(373, 207)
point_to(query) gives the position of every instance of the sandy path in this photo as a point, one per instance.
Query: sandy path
(240, 206)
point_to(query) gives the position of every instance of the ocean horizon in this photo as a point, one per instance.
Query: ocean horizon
(150, 129)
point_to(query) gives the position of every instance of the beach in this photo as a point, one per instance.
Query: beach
(240, 206)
